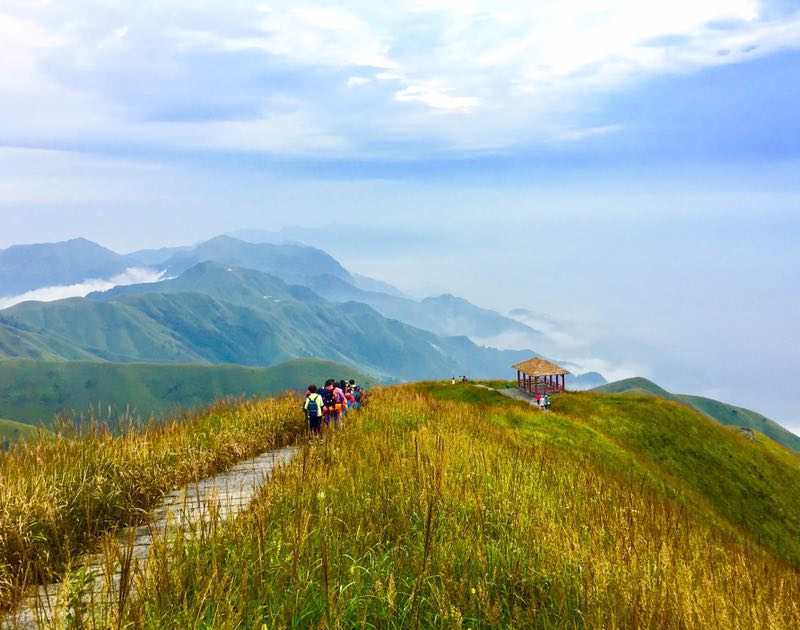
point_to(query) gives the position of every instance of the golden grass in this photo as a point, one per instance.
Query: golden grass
(428, 513)
(58, 496)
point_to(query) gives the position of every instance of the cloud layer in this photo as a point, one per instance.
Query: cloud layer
(133, 275)
(391, 79)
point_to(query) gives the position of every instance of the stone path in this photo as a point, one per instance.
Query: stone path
(222, 497)
(514, 393)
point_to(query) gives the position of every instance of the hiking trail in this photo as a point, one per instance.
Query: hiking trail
(512, 393)
(222, 497)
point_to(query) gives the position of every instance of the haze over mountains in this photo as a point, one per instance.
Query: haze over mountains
(232, 302)
(255, 304)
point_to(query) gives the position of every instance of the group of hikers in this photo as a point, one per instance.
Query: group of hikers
(332, 403)
(543, 400)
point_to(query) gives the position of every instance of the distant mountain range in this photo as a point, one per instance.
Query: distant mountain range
(238, 303)
(721, 412)
(212, 328)
(215, 314)
(27, 267)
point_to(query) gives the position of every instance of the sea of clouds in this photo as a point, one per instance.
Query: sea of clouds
(132, 275)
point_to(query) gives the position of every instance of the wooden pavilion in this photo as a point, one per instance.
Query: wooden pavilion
(537, 376)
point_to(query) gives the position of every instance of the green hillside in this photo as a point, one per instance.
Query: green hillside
(723, 413)
(35, 392)
(11, 431)
(449, 506)
(214, 314)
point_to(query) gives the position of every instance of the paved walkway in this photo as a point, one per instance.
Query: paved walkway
(223, 496)
(515, 393)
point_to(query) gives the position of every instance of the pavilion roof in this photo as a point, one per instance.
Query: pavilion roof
(539, 367)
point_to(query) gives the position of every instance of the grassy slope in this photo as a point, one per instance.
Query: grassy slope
(450, 506)
(13, 431)
(723, 413)
(35, 392)
(59, 496)
(754, 486)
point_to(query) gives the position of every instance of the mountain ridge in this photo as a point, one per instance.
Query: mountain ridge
(25, 268)
(223, 315)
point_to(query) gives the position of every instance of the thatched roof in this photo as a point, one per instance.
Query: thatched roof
(539, 367)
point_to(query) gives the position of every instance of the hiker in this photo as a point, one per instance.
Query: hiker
(344, 386)
(453, 381)
(362, 396)
(329, 411)
(546, 402)
(313, 408)
(340, 402)
(539, 399)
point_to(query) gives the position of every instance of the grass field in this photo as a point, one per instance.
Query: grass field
(59, 496)
(445, 506)
(726, 414)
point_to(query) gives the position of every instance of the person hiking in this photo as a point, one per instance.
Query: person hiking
(313, 408)
(329, 402)
(344, 388)
(341, 400)
(546, 402)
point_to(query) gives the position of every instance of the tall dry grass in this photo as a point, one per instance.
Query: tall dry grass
(425, 513)
(59, 495)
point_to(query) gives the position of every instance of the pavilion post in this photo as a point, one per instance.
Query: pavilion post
(518, 380)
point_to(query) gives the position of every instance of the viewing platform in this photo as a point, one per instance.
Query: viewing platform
(538, 376)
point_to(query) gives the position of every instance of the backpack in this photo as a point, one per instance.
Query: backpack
(313, 409)
(328, 397)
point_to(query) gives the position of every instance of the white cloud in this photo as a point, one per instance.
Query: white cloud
(611, 371)
(496, 74)
(315, 34)
(358, 81)
(437, 97)
(133, 275)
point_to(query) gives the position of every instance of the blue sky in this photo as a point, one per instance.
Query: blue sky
(640, 160)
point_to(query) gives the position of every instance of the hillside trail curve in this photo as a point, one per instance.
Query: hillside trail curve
(515, 394)
(219, 497)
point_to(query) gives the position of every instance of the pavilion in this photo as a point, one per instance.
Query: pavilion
(537, 376)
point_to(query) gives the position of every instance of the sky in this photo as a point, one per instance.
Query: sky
(627, 172)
